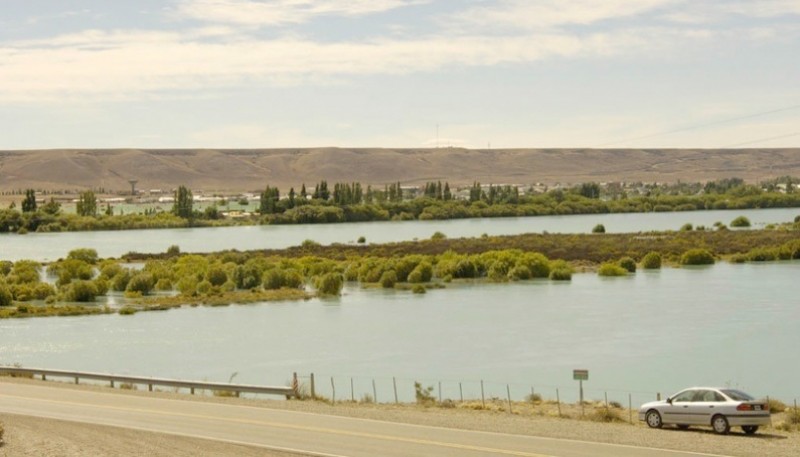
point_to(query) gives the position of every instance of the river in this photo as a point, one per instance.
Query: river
(656, 331)
(51, 246)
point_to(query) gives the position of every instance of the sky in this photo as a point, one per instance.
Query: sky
(399, 73)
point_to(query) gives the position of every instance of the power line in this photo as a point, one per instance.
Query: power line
(762, 139)
(699, 126)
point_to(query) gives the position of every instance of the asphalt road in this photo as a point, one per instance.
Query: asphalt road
(304, 433)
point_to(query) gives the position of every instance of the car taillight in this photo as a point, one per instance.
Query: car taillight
(744, 407)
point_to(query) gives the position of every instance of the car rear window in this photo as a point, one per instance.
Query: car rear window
(737, 395)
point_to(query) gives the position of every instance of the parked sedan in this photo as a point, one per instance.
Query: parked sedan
(716, 407)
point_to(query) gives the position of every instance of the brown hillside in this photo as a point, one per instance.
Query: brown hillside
(245, 170)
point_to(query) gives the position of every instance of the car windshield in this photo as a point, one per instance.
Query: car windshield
(737, 395)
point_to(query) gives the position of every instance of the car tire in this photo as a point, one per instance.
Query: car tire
(749, 429)
(653, 419)
(720, 424)
(682, 426)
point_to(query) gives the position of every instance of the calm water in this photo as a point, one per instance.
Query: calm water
(655, 332)
(51, 246)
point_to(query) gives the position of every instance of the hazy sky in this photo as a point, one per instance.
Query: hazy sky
(513, 73)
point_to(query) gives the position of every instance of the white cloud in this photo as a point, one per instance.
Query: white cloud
(555, 13)
(121, 63)
(278, 12)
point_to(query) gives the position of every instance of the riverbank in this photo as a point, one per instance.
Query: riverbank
(28, 437)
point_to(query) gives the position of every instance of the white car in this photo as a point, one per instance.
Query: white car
(719, 408)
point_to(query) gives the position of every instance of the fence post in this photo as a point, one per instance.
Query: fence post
(460, 392)
(606, 395)
(333, 391)
(630, 409)
(112, 383)
(440, 391)
(558, 402)
(483, 397)
(394, 384)
(658, 396)
(295, 385)
(352, 393)
(76, 379)
(508, 391)
(374, 392)
(313, 390)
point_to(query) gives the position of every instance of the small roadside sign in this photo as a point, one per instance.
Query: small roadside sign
(580, 375)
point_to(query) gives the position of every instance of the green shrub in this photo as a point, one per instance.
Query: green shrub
(187, 285)
(216, 276)
(309, 244)
(100, 284)
(520, 272)
(361, 240)
(127, 310)
(84, 254)
(173, 251)
(423, 395)
(293, 279)
(599, 228)
(740, 221)
(163, 284)
(697, 256)
(121, 279)
(142, 283)
(6, 298)
(204, 287)
(611, 269)
(628, 264)
(560, 271)
(273, 279)
(438, 236)
(388, 279)
(81, 291)
(418, 289)
(330, 284)
(651, 261)
(687, 227)
(739, 258)
(762, 255)
(421, 273)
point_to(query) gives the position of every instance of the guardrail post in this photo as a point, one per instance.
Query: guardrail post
(112, 383)
(374, 392)
(313, 391)
(394, 384)
(76, 380)
(352, 391)
(191, 391)
(150, 387)
(460, 392)
(483, 397)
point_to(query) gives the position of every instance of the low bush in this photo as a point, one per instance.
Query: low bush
(776, 406)
(687, 227)
(651, 261)
(330, 284)
(388, 279)
(740, 221)
(423, 395)
(628, 264)
(611, 269)
(604, 414)
(697, 257)
(418, 289)
(599, 228)
(127, 310)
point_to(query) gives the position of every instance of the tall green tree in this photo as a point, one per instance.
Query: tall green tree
(29, 203)
(182, 207)
(87, 204)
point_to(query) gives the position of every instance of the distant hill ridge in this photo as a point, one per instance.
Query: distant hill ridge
(251, 169)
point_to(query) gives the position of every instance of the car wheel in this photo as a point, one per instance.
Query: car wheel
(682, 426)
(749, 429)
(653, 419)
(720, 424)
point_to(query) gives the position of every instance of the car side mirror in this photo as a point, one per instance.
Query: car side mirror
(669, 400)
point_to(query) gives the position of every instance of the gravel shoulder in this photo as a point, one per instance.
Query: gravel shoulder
(28, 436)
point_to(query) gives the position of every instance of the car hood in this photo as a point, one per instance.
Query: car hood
(653, 404)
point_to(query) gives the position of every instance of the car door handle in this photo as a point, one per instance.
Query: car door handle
(685, 406)
(711, 406)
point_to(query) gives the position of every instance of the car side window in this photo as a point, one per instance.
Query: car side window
(685, 396)
(716, 397)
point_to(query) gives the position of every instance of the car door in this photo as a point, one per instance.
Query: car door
(678, 410)
(705, 404)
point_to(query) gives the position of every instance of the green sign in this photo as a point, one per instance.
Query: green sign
(580, 375)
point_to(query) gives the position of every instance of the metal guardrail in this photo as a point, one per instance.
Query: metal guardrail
(150, 382)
